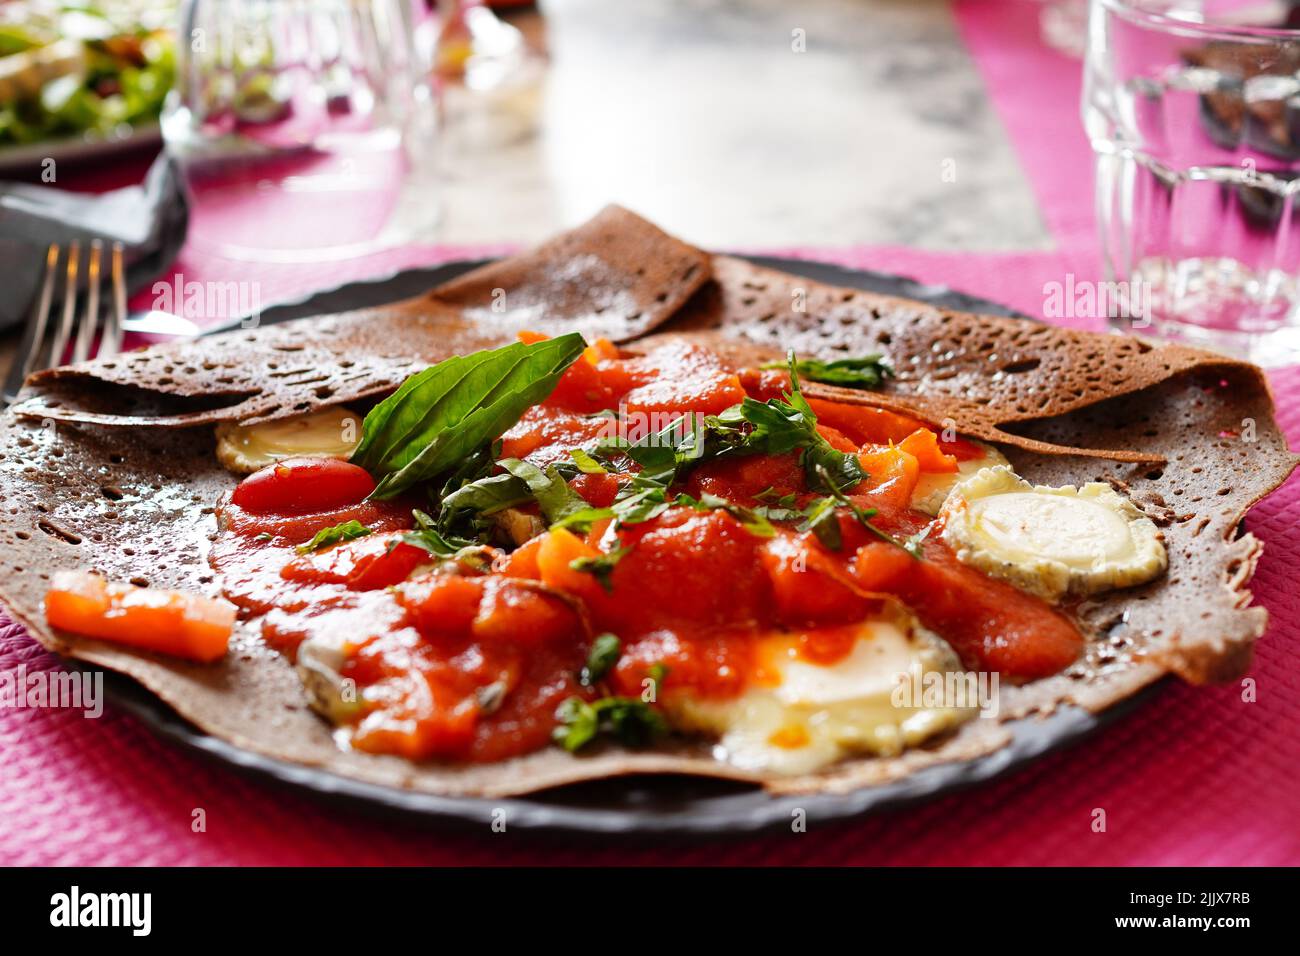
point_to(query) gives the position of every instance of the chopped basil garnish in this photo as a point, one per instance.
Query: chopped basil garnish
(628, 720)
(586, 464)
(557, 500)
(347, 531)
(822, 519)
(427, 536)
(863, 516)
(869, 371)
(604, 654)
(913, 545)
(781, 425)
(443, 415)
(601, 567)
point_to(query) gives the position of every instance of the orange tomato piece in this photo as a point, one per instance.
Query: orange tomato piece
(516, 615)
(809, 586)
(558, 549)
(178, 623)
(879, 566)
(892, 474)
(923, 445)
(522, 562)
(445, 604)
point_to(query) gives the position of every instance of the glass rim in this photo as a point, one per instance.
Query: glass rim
(1133, 11)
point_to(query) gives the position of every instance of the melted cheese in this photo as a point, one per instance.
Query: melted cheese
(932, 488)
(329, 433)
(806, 716)
(1051, 541)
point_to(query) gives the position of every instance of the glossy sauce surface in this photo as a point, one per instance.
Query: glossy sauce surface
(469, 659)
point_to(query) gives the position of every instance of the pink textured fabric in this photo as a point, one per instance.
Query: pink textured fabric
(1197, 776)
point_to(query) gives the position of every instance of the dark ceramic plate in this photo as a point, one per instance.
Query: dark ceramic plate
(629, 805)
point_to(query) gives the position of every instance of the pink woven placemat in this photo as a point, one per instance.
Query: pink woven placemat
(1196, 776)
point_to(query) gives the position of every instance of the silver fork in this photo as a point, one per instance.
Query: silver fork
(46, 337)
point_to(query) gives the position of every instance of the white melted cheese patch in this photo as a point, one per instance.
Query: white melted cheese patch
(328, 433)
(1051, 542)
(806, 716)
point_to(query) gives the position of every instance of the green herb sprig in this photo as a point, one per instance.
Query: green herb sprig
(866, 372)
(347, 531)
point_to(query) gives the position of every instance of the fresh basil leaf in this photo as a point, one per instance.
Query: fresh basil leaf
(662, 454)
(770, 498)
(604, 654)
(586, 464)
(601, 566)
(781, 425)
(863, 515)
(583, 520)
(487, 496)
(553, 494)
(823, 462)
(629, 720)
(866, 372)
(347, 531)
(481, 464)
(429, 537)
(578, 724)
(822, 519)
(441, 416)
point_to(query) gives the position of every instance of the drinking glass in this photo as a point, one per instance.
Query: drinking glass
(306, 129)
(1193, 109)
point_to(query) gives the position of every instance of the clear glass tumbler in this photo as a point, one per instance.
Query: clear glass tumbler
(1193, 109)
(306, 129)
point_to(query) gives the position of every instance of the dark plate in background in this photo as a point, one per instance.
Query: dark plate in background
(628, 805)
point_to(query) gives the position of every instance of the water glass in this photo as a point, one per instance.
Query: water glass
(1193, 110)
(306, 129)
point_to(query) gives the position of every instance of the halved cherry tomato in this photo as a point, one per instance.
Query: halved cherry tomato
(298, 486)
(741, 479)
(378, 516)
(838, 440)
(681, 377)
(173, 622)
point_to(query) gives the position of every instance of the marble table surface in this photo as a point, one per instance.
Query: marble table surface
(741, 124)
(736, 124)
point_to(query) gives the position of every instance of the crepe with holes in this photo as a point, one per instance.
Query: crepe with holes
(1163, 424)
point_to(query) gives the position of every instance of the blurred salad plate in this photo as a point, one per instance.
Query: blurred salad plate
(79, 80)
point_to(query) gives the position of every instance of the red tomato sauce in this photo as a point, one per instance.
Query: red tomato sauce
(468, 660)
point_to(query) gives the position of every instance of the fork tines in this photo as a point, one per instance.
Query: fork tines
(46, 339)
